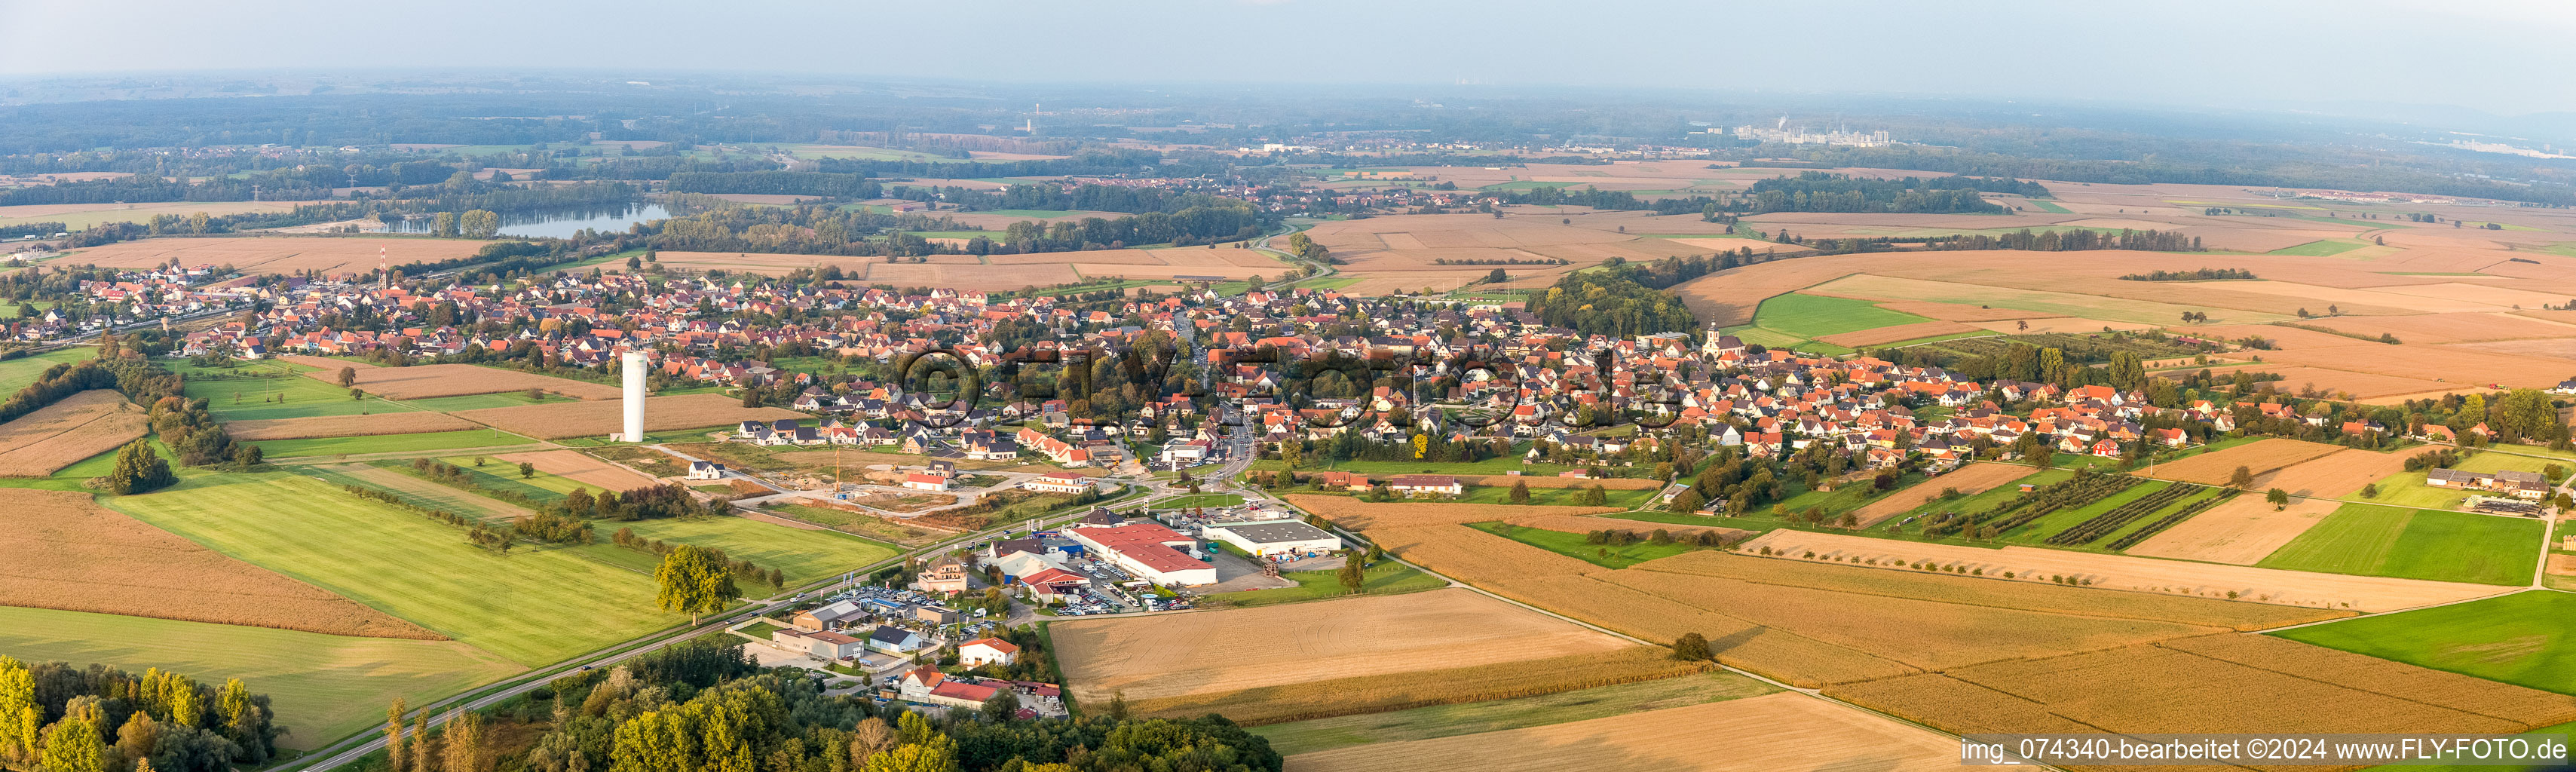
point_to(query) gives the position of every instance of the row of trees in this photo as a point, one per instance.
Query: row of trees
(2077, 240)
(2203, 274)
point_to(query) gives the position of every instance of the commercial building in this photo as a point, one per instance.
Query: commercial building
(1155, 553)
(1277, 537)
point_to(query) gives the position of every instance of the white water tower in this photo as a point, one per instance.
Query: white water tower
(634, 361)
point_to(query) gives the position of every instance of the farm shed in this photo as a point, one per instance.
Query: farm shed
(1277, 537)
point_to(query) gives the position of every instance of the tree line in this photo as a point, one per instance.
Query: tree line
(58, 718)
(1826, 192)
(702, 706)
(2073, 240)
(2202, 274)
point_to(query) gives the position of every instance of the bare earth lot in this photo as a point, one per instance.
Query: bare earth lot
(275, 254)
(571, 464)
(347, 426)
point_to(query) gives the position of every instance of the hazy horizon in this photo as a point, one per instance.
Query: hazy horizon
(2260, 56)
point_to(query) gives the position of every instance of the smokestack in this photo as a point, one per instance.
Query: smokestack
(634, 396)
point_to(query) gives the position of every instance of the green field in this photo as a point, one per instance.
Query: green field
(1203, 500)
(2375, 540)
(2050, 207)
(532, 605)
(390, 443)
(18, 373)
(1498, 715)
(324, 686)
(1564, 497)
(804, 555)
(1386, 578)
(867, 153)
(1795, 320)
(1572, 545)
(2038, 531)
(2321, 248)
(2527, 638)
(248, 399)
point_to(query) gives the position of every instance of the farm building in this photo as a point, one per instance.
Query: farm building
(1425, 485)
(1058, 482)
(1277, 537)
(1158, 554)
(822, 644)
(1348, 481)
(824, 617)
(2528, 485)
(976, 652)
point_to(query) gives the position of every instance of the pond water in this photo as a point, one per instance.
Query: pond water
(557, 223)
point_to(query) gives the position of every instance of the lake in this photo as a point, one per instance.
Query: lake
(557, 222)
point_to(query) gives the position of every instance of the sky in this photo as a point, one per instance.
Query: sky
(2500, 56)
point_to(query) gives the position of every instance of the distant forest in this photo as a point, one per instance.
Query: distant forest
(1823, 192)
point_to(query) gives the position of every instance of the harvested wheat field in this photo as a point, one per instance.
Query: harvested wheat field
(1925, 633)
(2243, 531)
(1380, 692)
(599, 418)
(2123, 572)
(574, 466)
(276, 254)
(1208, 654)
(1351, 512)
(1784, 731)
(73, 428)
(1776, 653)
(2263, 457)
(347, 426)
(1473, 556)
(1971, 479)
(1977, 591)
(423, 381)
(2242, 688)
(61, 551)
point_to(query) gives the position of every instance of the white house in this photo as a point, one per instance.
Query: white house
(1277, 537)
(1425, 485)
(1058, 482)
(706, 470)
(976, 652)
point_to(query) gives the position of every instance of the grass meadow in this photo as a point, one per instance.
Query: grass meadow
(532, 605)
(390, 443)
(2527, 638)
(18, 373)
(324, 686)
(2373, 540)
(804, 555)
